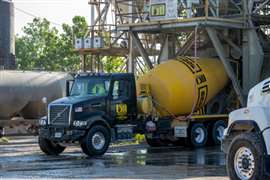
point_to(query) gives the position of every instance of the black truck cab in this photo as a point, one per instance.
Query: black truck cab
(95, 104)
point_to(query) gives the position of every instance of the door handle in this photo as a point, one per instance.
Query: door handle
(96, 105)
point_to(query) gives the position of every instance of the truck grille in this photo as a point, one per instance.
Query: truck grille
(59, 114)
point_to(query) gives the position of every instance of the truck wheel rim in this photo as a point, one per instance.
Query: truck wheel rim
(244, 163)
(98, 140)
(220, 131)
(199, 135)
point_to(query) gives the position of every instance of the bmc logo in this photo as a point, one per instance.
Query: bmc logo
(121, 111)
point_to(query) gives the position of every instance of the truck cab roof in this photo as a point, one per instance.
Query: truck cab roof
(108, 75)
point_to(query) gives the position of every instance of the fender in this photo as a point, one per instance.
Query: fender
(98, 119)
(248, 125)
(238, 125)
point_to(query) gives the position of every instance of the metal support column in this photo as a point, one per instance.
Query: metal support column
(220, 51)
(131, 65)
(253, 54)
(141, 49)
(83, 62)
(168, 49)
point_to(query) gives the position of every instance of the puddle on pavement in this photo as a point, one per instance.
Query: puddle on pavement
(166, 157)
(116, 157)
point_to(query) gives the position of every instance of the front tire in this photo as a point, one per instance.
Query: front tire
(245, 157)
(49, 147)
(97, 141)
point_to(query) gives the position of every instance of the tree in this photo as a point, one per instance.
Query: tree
(77, 30)
(113, 64)
(38, 47)
(43, 47)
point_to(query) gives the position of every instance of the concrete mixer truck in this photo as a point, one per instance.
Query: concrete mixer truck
(164, 104)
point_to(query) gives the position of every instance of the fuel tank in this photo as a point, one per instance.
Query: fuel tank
(178, 85)
(21, 92)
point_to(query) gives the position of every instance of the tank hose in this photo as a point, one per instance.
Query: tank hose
(195, 66)
(165, 109)
(183, 118)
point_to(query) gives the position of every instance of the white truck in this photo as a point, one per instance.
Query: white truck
(246, 141)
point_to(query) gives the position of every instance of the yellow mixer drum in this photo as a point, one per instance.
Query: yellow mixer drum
(178, 85)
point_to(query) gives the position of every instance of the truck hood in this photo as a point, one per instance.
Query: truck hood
(75, 99)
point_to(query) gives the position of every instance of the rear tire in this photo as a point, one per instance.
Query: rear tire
(198, 135)
(97, 141)
(245, 157)
(217, 132)
(49, 147)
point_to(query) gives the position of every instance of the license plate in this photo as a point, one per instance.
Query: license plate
(180, 131)
(58, 135)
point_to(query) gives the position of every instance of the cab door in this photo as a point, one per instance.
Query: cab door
(123, 104)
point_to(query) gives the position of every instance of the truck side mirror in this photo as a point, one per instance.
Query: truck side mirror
(68, 87)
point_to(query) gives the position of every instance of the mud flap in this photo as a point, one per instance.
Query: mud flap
(267, 165)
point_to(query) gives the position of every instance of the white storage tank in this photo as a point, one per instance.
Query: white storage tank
(21, 92)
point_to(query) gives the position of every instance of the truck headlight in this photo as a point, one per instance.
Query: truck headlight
(79, 123)
(79, 109)
(43, 121)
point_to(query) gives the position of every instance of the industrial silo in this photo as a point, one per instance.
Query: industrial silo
(7, 41)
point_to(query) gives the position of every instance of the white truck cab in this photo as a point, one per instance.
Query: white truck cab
(246, 141)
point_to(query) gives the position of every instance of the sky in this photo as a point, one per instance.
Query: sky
(56, 11)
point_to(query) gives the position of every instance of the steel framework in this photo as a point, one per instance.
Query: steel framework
(235, 31)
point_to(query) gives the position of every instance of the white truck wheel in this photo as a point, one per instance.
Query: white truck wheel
(198, 135)
(245, 157)
(96, 142)
(217, 131)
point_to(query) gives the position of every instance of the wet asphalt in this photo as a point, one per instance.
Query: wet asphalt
(22, 159)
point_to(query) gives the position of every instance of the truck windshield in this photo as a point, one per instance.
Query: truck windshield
(90, 87)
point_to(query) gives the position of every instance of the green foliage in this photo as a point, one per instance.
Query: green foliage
(43, 47)
(113, 64)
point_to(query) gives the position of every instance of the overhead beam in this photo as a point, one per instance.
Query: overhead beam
(220, 51)
(141, 49)
(188, 44)
(180, 25)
